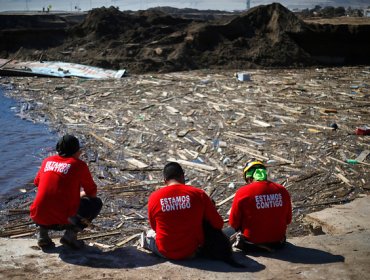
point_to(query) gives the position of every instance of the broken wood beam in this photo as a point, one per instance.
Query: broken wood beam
(225, 200)
(119, 244)
(18, 211)
(100, 235)
(136, 163)
(194, 165)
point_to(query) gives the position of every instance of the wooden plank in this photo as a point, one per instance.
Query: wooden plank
(249, 151)
(215, 163)
(225, 200)
(195, 165)
(317, 126)
(262, 123)
(281, 159)
(16, 232)
(362, 156)
(119, 244)
(337, 160)
(102, 140)
(18, 211)
(172, 110)
(22, 234)
(328, 111)
(344, 179)
(136, 163)
(8, 227)
(100, 235)
(238, 135)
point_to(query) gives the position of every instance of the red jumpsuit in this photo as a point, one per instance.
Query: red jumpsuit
(261, 210)
(58, 182)
(176, 214)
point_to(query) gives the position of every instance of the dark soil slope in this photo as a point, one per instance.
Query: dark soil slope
(146, 41)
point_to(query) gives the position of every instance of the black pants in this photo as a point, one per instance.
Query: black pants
(252, 247)
(216, 243)
(89, 209)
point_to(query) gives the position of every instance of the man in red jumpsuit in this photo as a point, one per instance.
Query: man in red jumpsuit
(261, 211)
(66, 195)
(176, 215)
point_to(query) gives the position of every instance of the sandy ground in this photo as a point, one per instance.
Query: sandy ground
(339, 256)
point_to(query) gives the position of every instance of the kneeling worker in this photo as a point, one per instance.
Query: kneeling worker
(176, 214)
(59, 203)
(260, 212)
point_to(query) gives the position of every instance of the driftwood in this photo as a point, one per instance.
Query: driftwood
(12, 226)
(22, 234)
(362, 156)
(93, 236)
(18, 211)
(119, 244)
(218, 204)
(14, 232)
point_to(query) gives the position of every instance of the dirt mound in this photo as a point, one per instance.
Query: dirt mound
(148, 41)
(260, 36)
(165, 43)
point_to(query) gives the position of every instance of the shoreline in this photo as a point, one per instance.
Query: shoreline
(22, 139)
(212, 123)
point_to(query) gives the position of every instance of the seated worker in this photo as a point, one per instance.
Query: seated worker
(60, 204)
(176, 214)
(260, 212)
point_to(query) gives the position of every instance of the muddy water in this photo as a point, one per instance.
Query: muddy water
(23, 145)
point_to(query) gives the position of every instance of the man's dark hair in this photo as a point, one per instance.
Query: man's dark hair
(67, 145)
(173, 170)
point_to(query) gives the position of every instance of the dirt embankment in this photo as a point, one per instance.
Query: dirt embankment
(153, 41)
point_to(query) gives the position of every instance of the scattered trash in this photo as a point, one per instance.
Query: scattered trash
(132, 127)
(363, 130)
(226, 161)
(313, 130)
(329, 111)
(243, 77)
(231, 185)
(363, 155)
(334, 126)
(57, 69)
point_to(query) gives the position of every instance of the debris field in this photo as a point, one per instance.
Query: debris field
(305, 124)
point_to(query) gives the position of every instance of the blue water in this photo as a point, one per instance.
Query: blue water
(23, 145)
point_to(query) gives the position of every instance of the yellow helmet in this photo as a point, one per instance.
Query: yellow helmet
(250, 167)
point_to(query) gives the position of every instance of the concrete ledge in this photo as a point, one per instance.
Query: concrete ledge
(342, 219)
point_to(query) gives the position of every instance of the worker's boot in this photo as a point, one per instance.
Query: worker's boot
(143, 241)
(70, 239)
(79, 222)
(239, 241)
(43, 239)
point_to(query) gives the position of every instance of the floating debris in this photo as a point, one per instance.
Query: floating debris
(132, 127)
